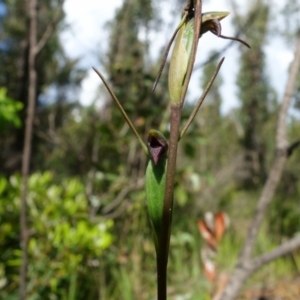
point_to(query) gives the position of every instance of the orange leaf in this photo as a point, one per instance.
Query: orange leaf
(207, 234)
(221, 223)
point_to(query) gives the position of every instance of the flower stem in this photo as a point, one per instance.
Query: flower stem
(162, 257)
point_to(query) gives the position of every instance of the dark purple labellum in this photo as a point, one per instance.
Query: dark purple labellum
(157, 145)
(213, 26)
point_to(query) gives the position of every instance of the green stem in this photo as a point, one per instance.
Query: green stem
(161, 278)
(163, 251)
(162, 257)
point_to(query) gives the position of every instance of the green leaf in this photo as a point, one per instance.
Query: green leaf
(3, 184)
(9, 109)
(155, 189)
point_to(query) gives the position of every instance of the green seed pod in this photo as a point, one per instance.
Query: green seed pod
(155, 181)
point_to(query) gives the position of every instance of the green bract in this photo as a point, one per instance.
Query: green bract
(155, 181)
(155, 190)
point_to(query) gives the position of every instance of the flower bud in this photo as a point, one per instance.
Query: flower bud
(179, 61)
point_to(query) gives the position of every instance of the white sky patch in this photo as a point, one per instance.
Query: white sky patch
(87, 38)
(89, 85)
(86, 33)
(90, 90)
(279, 58)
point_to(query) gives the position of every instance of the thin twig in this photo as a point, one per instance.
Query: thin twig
(50, 29)
(165, 55)
(122, 111)
(121, 196)
(282, 250)
(201, 99)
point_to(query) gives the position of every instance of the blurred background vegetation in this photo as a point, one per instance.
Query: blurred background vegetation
(89, 231)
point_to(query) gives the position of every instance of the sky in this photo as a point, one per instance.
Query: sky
(87, 38)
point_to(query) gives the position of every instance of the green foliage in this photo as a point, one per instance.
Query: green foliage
(64, 243)
(9, 110)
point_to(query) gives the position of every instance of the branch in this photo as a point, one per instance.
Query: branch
(121, 196)
(281, 139)
(280, 158)
(50, 29)
(244, 267)
(292, 147)
(118, 212)
(282, 250)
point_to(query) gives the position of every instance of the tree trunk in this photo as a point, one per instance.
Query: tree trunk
(246, 264)
(32, 13)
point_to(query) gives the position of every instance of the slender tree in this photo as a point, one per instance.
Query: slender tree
(32, 13)
(247, 264)
(52, 65)
(34, 47)
(255, 105)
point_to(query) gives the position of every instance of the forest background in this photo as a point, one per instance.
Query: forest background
(89, 235)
